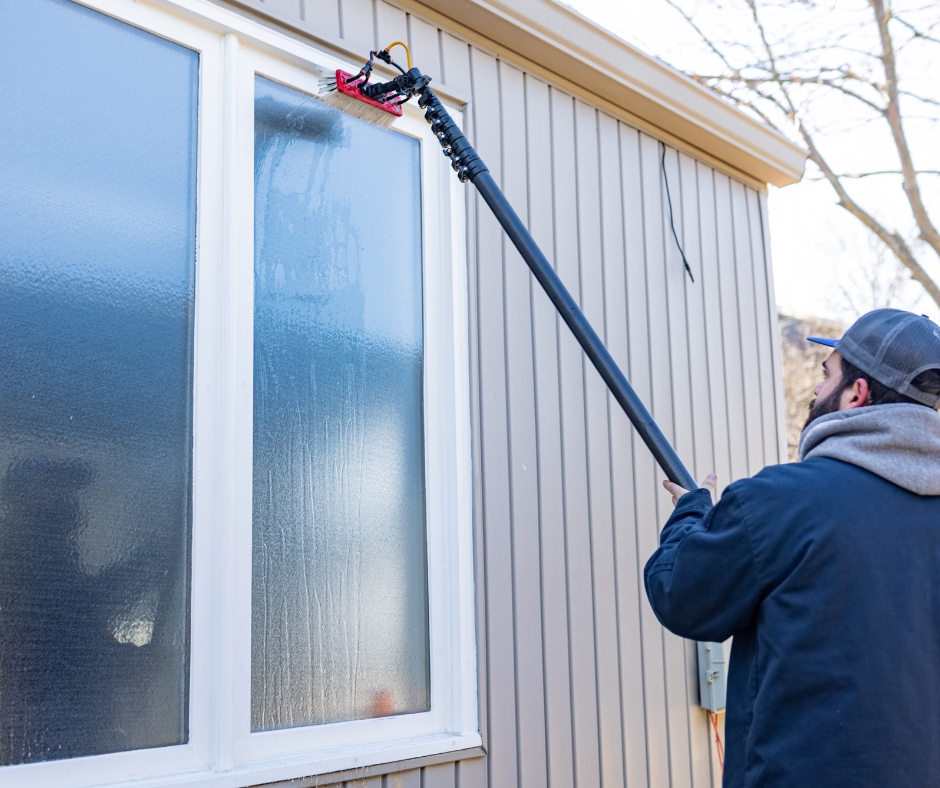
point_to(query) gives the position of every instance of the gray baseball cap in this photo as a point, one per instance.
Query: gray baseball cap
(894, 347)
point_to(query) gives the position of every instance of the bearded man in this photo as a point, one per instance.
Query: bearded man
(827, 574)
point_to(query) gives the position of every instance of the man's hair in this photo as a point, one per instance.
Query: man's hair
(880, 394)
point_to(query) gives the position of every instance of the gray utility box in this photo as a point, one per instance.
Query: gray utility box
(713, 674)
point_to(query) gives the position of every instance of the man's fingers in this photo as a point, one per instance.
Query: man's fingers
(674, 488)
(677, 492)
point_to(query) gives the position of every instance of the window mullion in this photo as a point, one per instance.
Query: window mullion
(230, 142)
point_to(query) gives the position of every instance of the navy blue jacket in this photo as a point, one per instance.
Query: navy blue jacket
(828, 577)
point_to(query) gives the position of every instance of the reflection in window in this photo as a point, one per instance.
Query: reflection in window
(339, 581)
(97, 217)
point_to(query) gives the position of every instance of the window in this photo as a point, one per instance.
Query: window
(339, 581)
(235, 390)
(97, 279)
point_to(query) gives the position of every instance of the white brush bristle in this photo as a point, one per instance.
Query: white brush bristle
(329, 95)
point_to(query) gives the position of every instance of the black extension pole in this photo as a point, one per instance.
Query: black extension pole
(469, 166)
(587, 337)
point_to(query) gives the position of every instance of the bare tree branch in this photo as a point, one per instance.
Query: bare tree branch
(752, 83)
(772, 87)
(842, 89)
(702, 35)
(927, 229)
(748, 104)
(752, 4)
(917, 33)
(882, 172)
(922, 99)
(892, 240)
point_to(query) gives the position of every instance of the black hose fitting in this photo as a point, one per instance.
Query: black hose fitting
(467, 164)
(405, 85)
(465, 160)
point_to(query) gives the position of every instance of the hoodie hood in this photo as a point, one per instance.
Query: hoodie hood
(898, 442)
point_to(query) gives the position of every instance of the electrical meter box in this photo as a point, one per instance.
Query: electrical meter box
(713, 674)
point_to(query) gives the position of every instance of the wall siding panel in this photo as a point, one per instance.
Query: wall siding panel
(459, 60)
(676, 282)
(775, 331)
(323, 14)
(764, 330)
(747, 314)
(670, 408)
(681, 656)
(499, 645)
(620, 442)
(441, 776)
(455, 65)
(425, 42)
(711, 296)
(369, 782)
(590, 243)
(523, 473)
(545, 328)
(574, 454)
(391, 24)
(408, 779)
(714, 336)
(292, 8)
(730, 328)
(579, 684)
(646, 474)
(702, 457)
(472, 773)
(357, 22)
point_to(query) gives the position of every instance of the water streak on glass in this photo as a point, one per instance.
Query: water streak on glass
(97, 221)
(339, 579)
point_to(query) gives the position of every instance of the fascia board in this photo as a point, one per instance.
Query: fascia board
(564, 42)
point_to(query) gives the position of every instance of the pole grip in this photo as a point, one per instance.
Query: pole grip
(616, 381)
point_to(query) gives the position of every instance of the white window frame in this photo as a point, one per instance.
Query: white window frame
(221, 750)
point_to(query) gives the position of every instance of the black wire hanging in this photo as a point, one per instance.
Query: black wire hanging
(672, 222)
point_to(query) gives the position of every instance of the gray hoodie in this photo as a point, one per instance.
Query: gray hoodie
(899, 442)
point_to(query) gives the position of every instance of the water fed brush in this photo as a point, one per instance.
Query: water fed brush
(380, 104)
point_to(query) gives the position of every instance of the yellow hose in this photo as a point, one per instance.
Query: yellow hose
(401, 44)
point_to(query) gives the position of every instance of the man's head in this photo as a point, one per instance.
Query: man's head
(887, 356)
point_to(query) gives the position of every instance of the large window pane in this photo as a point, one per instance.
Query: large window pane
(97, 221)
(339, 580)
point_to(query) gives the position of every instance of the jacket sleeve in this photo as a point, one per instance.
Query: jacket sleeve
(702, 582)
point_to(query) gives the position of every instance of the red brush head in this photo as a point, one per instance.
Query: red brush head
(348, 87)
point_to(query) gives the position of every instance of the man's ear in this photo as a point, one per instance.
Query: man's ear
(856, 395)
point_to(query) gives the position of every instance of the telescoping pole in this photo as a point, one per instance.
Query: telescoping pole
(589, 340)
(470, 166)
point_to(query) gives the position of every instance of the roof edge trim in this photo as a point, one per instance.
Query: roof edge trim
(566, 43)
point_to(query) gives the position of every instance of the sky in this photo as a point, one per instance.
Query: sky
(825, 263)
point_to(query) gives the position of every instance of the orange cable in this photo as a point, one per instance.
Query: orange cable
(721, 749)
(401, 44)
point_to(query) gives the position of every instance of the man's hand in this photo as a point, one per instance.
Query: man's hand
(678, 492)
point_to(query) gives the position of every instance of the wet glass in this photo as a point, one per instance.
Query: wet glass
(97, 256)
(339, 577)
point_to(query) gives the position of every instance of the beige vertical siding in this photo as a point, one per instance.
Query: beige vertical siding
(580, 685)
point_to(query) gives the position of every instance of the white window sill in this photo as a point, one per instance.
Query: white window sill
(394, 767)
(354, 762)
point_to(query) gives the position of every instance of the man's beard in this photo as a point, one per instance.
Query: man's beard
(820, 407)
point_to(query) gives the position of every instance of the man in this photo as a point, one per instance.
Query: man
(827, 574)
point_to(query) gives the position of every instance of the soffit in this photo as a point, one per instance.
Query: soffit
(580, 51)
